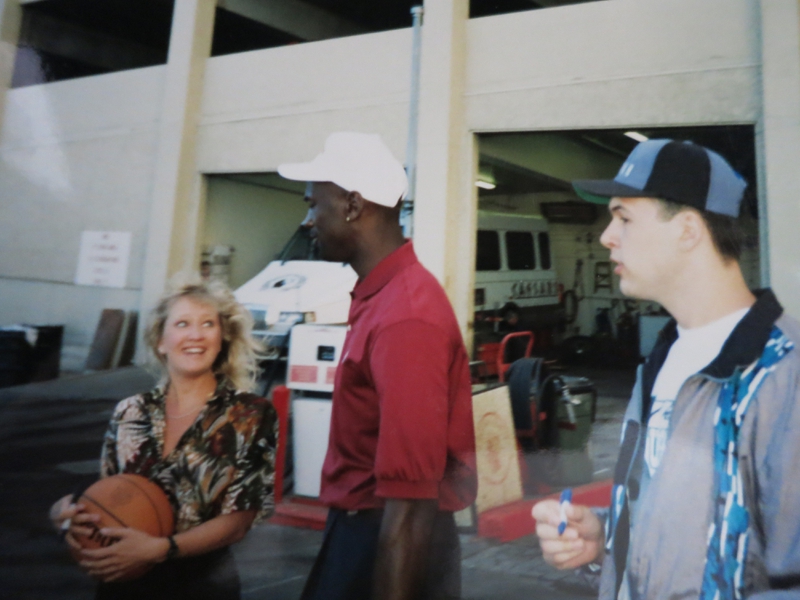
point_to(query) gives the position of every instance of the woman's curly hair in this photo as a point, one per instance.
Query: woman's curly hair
(237, 360)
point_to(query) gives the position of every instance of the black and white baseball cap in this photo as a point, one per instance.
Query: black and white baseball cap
(680, 172)
(356, 162)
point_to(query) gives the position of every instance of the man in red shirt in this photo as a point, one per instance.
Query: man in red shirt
(401, 452)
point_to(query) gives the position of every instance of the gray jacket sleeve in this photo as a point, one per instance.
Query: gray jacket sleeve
(776, 458)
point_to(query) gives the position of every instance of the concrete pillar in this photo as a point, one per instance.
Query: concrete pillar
(780, 37)
(177, 186)
(446, 200)
(10, 23)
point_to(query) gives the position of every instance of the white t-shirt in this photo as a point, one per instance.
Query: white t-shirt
(692, 351)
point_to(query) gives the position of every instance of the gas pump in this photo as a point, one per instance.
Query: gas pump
(314, 355)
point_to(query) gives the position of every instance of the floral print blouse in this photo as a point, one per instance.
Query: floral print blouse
(223, 463)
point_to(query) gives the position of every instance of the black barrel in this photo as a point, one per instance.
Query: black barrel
(21, 362)
(15, 358)
(46, 355)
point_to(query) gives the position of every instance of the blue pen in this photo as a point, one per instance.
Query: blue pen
(566, 499)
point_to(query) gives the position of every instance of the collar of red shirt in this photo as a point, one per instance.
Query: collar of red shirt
(390, 266)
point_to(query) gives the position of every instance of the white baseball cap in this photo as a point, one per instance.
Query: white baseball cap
(357, 162)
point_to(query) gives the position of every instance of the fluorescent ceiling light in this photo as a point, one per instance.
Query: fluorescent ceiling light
(485, 178)
(635, 135)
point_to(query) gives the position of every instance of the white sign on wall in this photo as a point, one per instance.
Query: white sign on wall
(103, 258)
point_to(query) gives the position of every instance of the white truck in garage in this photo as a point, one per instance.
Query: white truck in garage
(295, 288)
(514, 272)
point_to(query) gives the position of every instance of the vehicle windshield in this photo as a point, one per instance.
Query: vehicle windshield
(301, 246)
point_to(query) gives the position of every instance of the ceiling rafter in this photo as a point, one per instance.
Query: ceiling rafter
(295, 17)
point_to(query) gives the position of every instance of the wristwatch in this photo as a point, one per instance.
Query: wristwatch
(173, 549)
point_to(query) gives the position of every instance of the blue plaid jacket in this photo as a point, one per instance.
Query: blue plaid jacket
(721, 516)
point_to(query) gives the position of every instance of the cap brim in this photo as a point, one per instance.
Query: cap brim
(600, 191)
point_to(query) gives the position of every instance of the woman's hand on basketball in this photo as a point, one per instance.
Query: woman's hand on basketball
(69, 519)
(63, 510)
(81, 524)
(132, 549)
(582, 540)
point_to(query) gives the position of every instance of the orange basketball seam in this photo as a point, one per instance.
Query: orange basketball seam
(85, 495)
(150, 500)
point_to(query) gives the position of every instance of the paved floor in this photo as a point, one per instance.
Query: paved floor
(49, 443)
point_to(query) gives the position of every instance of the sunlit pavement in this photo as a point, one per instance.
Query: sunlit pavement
(50, 435)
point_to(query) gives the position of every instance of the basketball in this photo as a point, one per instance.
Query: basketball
(126, 501)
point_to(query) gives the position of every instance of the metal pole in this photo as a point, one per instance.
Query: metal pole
(761, 171)
(413, 123)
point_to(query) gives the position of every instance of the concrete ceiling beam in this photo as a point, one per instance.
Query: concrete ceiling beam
(62, 38)
(551, 3)
(295, 17)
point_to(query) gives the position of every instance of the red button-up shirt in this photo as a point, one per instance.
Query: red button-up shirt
(401, 425)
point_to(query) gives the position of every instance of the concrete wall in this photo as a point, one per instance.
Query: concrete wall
(780, 134)
(256, 221)
(75, 155)
(266, 107)
(79, 154)
(615, 64)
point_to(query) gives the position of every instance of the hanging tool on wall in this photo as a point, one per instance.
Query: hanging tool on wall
(572, 297)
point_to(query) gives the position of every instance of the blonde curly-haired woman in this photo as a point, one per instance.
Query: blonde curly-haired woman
(201, 436)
